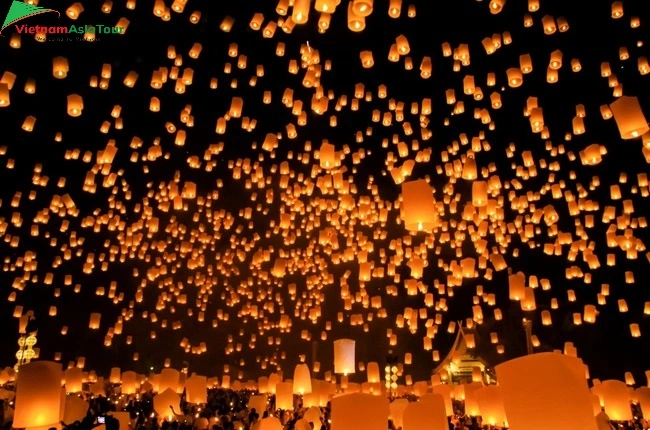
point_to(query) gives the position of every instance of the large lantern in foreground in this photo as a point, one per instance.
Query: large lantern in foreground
(547, 390)
(38, 395)
(359, 412)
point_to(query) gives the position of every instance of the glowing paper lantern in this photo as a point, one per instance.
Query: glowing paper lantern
(344, 356)
(75, 409)
(4, 95)
(490, 404)
(496, 6)
(446, 392)
(543, 391)
(196, 389)
(129, 382)
(359, 412)
(258, 403)
(73, 380)
(284, 396)
(169, 379)
(397, 408)
(629, 117)
(115, 376)
(301, 380)
(38, 395)
(374, 375)
(166, 403)
(471, 402)
(515, 77)
(270, 423)
(615, 398)
(418, 211)
(327, 156)
(300, 13)
(427, 414)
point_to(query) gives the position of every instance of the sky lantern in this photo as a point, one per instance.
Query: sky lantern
(129, 382)
(196, 389)
(165, 403)
(496, 6)
(344, 353)
(73, 380)
(325, 6)
(629, 117)
(515, 77)
(544, 391)
(490, 404)
(4, 95)
(284, 395)
(615, 398)
(372, 370)
(300, 13)
(359, 411)
(75, 105)
(418, 210)
(60, 67)
(617, 9)
(38, 395)
(356, 22)
(302, 380)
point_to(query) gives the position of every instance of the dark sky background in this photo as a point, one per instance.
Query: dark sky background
(606, 346)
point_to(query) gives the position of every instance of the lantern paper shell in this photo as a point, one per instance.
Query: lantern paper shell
(344, 350)
(169, 379)
(95, 319)
(397, 408)
(73, 380)
(427, 414)
(166, 403)
(327, 156)
(115, 376)
(38, 395)
(129, 382)
(284, 396)
(75, 409)
(196, 389)
(4, 95)
(373, 372)
(490, 403)
(301, 380)
(300, 13)
(75, 105)
(258, 403)
(615, 398)
(359, 411)
(446, 392)
(546, 390)
(629, 117)
(419, 212)
(270, 423)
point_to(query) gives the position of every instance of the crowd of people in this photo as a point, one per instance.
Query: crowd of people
(228, 410)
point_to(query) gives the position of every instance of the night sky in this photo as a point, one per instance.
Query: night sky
(230, 284)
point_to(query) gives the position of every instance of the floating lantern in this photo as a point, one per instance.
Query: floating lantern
(38, 395)
(629, 117)
(344, 353)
